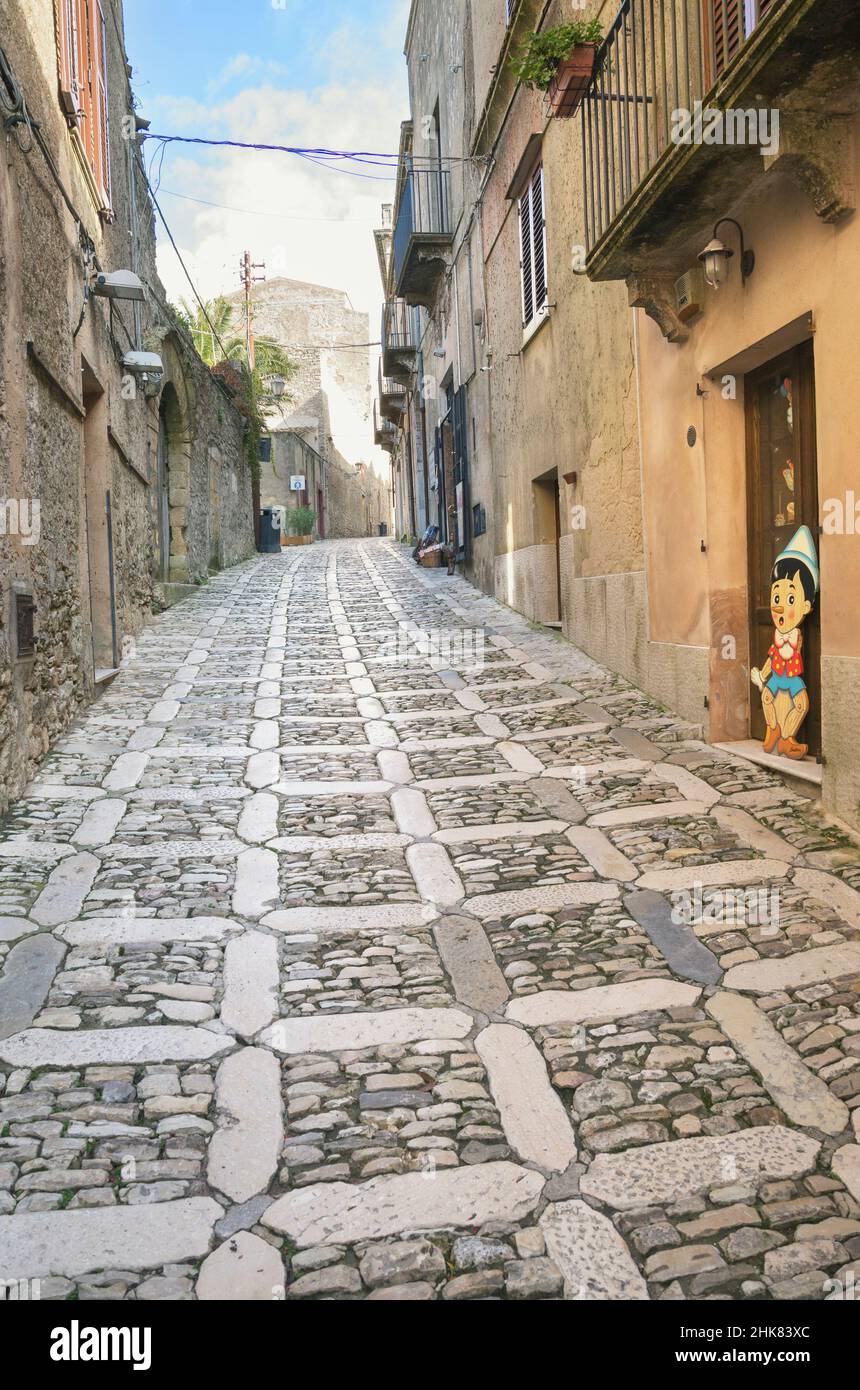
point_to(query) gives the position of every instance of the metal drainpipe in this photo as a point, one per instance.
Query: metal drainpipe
(135, 243)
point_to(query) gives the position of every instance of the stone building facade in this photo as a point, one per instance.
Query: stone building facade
(349, 500)
(320, 428)
(133, 482)
(605, 470)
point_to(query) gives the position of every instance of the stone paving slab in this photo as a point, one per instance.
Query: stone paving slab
(45, 1047)
(472, 1196)
(803, 1096)
(591, 1255)
(118, 931)
(353, 1032)
(788, 972)
(665, 1172)
(244, 1150)
(687, 956)
(604, 1002)
(73, 1243)
(533, 1117)
(468, 957)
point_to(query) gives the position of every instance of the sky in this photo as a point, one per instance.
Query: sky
(319, 73)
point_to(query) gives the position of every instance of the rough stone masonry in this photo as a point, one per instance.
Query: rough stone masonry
(333, 969)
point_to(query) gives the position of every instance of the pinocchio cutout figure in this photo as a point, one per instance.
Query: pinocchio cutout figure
(784, 697)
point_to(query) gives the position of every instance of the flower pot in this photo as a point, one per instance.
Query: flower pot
(571, 80)
(297, 540)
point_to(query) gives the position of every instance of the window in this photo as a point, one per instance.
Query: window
(733, 22)
(265, 448)
(533, 248)
(83, 85)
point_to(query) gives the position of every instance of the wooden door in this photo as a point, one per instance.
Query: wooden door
(782, 494)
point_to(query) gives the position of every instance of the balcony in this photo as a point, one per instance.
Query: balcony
(422, 235)
(399, 345)
(384, 432)
(654, 185)
(392, 398)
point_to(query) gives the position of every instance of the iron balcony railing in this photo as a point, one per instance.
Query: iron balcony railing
(659, 58)
(392, 397)
(384, 432)
(424, 211)
(398, 333)
(399, 340)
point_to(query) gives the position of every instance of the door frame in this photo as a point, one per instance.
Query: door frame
(163, 495)
(799, 361)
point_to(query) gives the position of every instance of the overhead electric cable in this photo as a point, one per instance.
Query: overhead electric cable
(361, 156)
(185, 269)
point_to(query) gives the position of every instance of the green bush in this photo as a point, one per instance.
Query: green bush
(537, 61)
(301, 521)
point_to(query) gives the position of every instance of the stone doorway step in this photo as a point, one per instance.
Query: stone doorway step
(802, 777)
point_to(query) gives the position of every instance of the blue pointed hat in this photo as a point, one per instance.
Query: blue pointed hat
(801, 547)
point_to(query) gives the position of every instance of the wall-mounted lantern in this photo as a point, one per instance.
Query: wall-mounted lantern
(716, 256)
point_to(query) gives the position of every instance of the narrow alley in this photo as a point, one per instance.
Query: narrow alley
(364, 940)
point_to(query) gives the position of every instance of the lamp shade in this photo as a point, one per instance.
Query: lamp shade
(715, 259)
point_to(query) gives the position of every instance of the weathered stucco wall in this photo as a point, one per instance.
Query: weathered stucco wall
(563, 401)
(803, 266)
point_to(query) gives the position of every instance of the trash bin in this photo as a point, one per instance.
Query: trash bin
(383, 529)
(270, 532)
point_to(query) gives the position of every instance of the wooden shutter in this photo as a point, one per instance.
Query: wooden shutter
(69, 50)
(533, 247)
(539, 240)
(728, 32)
(102, 134)
(729, 23)
(83, 61)
(526, 258)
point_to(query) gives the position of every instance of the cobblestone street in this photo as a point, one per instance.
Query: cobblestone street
(340, 965)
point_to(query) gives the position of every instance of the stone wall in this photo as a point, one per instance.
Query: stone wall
(358, 501)
(75, 430)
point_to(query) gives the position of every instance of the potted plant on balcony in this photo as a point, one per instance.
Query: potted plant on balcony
(300, 522)
(560, 61)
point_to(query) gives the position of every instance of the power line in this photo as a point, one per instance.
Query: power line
(185, 269)
(379, 158)
(294, 347)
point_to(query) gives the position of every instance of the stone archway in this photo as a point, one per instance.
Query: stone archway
(176, 428)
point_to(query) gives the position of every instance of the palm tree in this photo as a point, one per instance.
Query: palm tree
(270, 358)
